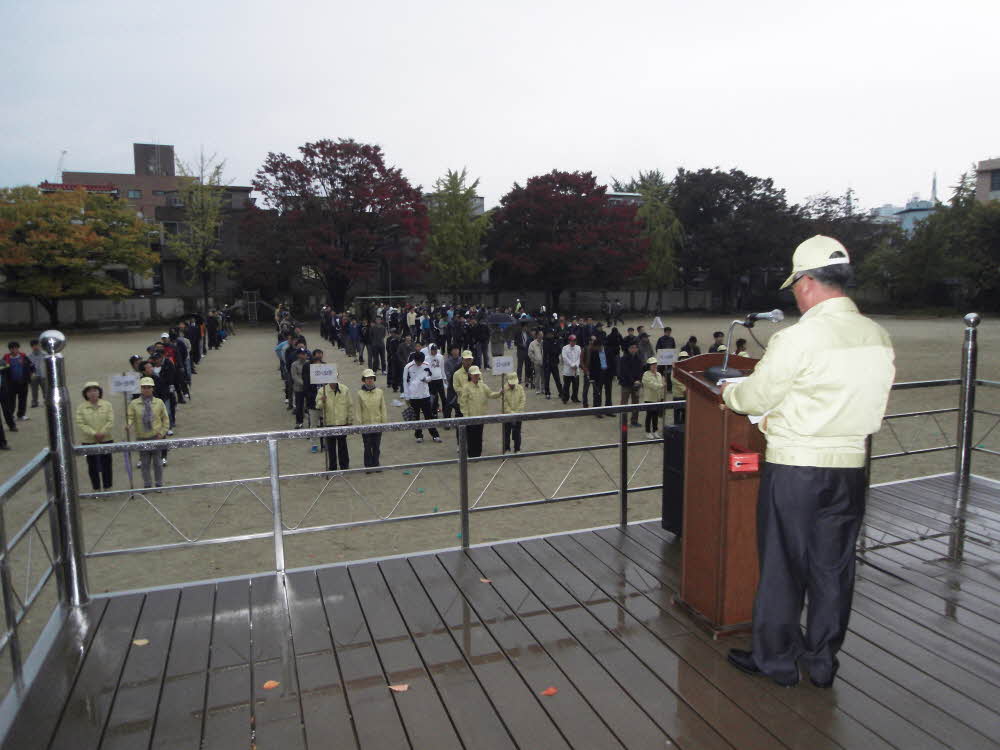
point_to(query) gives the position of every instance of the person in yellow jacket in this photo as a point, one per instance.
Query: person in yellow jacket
(653, 390)
(512, 399)
(371, 410)
(474, 399)
(336, 409)
(95, 420)
(147, 419)
(680, 392)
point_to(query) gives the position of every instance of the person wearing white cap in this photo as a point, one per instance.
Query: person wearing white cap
(417, 391)
(474, 399)
(147, 419)
(653, 390)
(371, 410)
(823, 385)
(512, 401)
(95, 420)
(337, 410)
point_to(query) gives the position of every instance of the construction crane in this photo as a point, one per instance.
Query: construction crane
(59, 165)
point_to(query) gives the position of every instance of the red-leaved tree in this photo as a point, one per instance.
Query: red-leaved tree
(344, 209)
(558, 231)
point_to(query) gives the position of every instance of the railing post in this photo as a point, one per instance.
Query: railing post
(963, 453)
(463, 483)
(60, 424)
(279, 537)
(9, 606)
(623, 418)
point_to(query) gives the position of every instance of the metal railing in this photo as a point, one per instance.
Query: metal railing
(274, 478)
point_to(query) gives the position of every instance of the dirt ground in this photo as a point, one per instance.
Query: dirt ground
(238, 390)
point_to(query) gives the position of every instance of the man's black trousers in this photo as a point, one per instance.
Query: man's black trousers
(808, 520)
(336, 453)
(422, 406)
(373, 447)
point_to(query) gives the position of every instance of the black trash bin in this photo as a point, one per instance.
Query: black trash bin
(672, 517)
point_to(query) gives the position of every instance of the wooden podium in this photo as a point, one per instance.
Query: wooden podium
(719, 555)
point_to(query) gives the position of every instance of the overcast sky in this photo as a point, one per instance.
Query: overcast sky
(820, 96)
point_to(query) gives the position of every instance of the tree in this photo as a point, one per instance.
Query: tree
(196, 244)
(839, 216)
(733, 223)
(952, 259)
(58, 245)
(558, 231)
(651, 181)
(454, 245)
(345, 208)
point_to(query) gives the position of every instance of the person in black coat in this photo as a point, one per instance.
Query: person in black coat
(666, 341)
(630, 378)
(551, 349)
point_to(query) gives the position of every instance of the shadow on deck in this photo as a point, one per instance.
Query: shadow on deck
(477, 636)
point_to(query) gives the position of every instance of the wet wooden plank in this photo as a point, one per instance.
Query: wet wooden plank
(633, 727)
(644, 631)
(376, 717)
(182, 700)
(937, 505)
(519, 707)
(87, 709)
(42, 706)
(865, 715)
(694, 655)
(277, 712)
(475, 718)
(579, 721)
(228, 716)
(426, 717)
(134, 712)
(324, 701)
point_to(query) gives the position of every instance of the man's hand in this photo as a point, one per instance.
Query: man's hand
(722, 388)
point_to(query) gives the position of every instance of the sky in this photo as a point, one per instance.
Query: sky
(870, 95)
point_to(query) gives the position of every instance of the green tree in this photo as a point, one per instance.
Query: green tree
(661, 234)
(653, 180)
(454, 246)
(59, 245)
(196, 243)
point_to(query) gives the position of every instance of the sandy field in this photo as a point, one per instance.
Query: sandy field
(238, 390)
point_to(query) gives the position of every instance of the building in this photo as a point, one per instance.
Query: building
(916, 211)
(988, 180)
(152, 189)
(623, 199)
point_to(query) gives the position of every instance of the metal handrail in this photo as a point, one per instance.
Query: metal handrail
(323, 432)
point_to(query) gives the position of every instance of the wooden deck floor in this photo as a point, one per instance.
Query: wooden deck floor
(478, 636)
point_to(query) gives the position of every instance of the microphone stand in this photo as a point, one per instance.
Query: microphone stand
(715, 374)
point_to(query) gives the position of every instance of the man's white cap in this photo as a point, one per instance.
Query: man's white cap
(816, 252)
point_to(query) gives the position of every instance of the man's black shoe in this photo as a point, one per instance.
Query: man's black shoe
(821, 683)
(743, 661)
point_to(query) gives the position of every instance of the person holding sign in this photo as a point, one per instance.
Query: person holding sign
(512, 399)
(95, 420)
(371, 410)
(147, 419)
(474, 398)
(653, 390)
(334, 403)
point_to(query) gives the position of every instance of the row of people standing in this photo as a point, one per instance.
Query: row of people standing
(165, 378)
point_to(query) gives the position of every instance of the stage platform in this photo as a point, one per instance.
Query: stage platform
(478, 637)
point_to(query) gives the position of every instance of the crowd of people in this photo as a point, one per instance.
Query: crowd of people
(433, 358)
(165, 371)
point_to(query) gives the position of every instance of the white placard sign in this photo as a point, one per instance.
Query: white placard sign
(666, 356)
(502, 365)
(124, 383)
(319, 374)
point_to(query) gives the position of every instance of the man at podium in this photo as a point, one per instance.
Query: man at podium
(823, 386)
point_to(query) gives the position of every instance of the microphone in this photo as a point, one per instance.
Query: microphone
(775, 316)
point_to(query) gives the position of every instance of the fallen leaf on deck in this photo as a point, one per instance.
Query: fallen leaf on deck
(485, 580)
(550, 691)
(401, 688)
(140, 642)
(271, 684)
